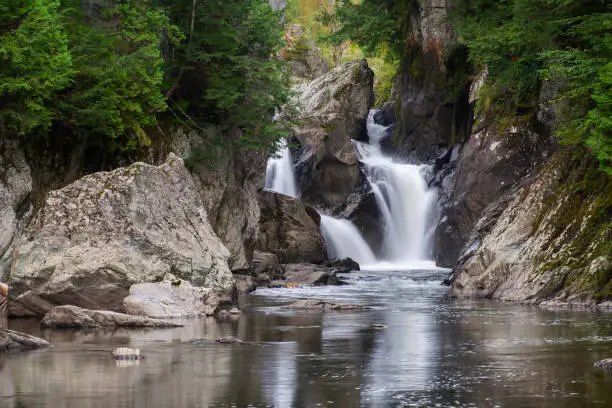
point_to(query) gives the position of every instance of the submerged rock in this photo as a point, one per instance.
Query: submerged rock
(96, 237)
(309, 304)
(343, 265)
(11, 340)
(170, 298)
(605, 364)
(75, 317)
(231, 340)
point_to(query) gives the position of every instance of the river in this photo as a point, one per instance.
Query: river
(434, 352)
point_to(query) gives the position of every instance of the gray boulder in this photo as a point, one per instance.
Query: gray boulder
(244, 284)
(312, 304)
(98, 236)
(170, 298)
(69, 316)
(334, 109)
(289, 229)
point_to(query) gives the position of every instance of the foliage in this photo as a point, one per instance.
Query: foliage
(105, 71)
(35, 64)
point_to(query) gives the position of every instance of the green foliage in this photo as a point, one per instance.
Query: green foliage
(34, 64)
(524, 41)
(119, 71)
(105, 72)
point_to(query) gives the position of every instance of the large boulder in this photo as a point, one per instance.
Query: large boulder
(308, 274)
(96, 237)
(171, 298)
(69, 316)
(551, 242)
(334, 109)
(11, 341)
(289, 229)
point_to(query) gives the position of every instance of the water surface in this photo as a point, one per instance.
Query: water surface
(434, 352)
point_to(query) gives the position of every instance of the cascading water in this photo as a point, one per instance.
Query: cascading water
(279, 172)
(344, 240)
(403, 198)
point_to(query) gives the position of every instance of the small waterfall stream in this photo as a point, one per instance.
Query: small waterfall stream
(279, 172)
(406, 205)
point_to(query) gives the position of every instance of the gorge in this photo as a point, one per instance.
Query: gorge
(213, 165)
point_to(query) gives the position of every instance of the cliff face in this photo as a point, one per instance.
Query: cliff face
(550, 243)
(521, 219)
(433, 85)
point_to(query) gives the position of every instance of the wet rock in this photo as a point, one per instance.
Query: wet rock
(289, 230)
(171, 298)
(232, 313)
(96, 237)
(334, 109)
(124, 353)
(231, 340)
(11, 341)
(343, 265)
(605, 364)
(265, 267)
(75, 317)
(308, 274)
(311, 304)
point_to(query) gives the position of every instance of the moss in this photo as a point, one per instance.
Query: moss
(328, 127)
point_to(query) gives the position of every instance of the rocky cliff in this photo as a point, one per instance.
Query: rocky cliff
(333, 111)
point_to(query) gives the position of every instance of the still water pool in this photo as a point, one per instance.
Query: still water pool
(434, 352)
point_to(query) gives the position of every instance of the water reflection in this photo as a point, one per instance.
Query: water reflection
(434, 352)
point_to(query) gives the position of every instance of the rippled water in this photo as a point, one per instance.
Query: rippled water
(434, 353)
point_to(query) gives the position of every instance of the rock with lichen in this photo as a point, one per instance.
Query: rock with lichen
(107, 231)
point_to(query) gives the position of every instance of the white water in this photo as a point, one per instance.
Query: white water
(279, 172)
(407, 209)
(344, 240)
(404, 200)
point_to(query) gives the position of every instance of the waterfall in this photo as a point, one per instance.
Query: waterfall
(279, 172)
(344, 240)
(405, 203)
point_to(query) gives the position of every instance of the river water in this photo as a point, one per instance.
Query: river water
(434, 352)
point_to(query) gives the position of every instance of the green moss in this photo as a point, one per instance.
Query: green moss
(329, 127)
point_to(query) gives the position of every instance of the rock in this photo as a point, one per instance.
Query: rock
(232, 314)
(244, 284)
(308, 274)
(605, 364)
(433, 107)
(75, 317)
(361, 208)
(303, 55)
(489, 165)
(173, 298)
(124, 353)
(15, 207)
(96, 237)
(231, 340)
(378, 326)
(345, 265)
(334, 109)
(549, 243)
(289, 229)
(265, 263)
(310, 304)
(11, 340)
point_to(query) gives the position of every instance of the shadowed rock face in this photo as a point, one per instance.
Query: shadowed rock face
(490, 164)
(334, 109)
(289, 229)
(96, 237)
